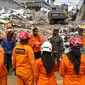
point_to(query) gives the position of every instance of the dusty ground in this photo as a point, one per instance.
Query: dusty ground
(12, 80)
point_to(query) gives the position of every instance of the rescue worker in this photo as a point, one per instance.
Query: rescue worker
(35, 42)
(72, 66)
(8, 45)
(9, 28)
(14, 35)
(45, 67)
(23, 60)
(57, 45)
(3, 70)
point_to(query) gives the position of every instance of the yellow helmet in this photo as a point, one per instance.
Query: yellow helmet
(84, 27)
(9, 25)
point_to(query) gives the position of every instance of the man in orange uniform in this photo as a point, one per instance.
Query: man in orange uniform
(45, 67)
(3, 70)
(23, 60)
(35, 42)
(72, 66)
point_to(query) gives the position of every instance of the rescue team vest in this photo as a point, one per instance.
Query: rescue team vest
(20, 51)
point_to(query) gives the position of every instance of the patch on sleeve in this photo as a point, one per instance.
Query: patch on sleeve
(20, 51)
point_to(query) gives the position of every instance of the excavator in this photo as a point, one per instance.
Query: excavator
(59, 14)
(65, 12)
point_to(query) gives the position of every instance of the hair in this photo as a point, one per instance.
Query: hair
(55, 31)
(80, 30)
(34, 29)
(75, 57)
(24, 41)
(48, 62)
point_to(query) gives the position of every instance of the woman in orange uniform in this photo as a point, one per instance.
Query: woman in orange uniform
(45, 67)
(23, 60)
(3, 70)
(72, 66)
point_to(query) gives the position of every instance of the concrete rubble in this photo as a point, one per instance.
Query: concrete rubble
(24, 19)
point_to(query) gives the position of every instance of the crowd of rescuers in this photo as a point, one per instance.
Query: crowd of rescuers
(35, 61)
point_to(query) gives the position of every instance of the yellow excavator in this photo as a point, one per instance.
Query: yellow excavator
(59, 14)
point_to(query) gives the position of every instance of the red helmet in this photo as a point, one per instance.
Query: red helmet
(23, 35)
(76, 41)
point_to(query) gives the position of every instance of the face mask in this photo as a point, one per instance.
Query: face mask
(35, 33)
(55, 33)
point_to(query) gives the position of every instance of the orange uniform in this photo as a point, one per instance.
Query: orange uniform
(3, 70)
(68, 73)
(23, 60)
(40, 75)
(5, 34)
(33, 40)
(83, 39)
(0, 38)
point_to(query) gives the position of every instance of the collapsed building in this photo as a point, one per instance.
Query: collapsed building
(34, 4)
(10, 4)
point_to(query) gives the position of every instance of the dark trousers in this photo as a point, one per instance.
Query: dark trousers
(57, 58)
(37, 55)
(8, 61)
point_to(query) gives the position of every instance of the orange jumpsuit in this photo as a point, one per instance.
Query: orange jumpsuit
(33, 40)
(23, 60)
(68, 74)
(3, 70)
(40, 76)
(83, 39)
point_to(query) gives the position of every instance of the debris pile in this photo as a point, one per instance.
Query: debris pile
(41, 18)
(23, 18)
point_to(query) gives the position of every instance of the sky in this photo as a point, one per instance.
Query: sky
(64, 1)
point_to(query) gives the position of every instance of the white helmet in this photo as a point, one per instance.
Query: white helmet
(46, 46)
